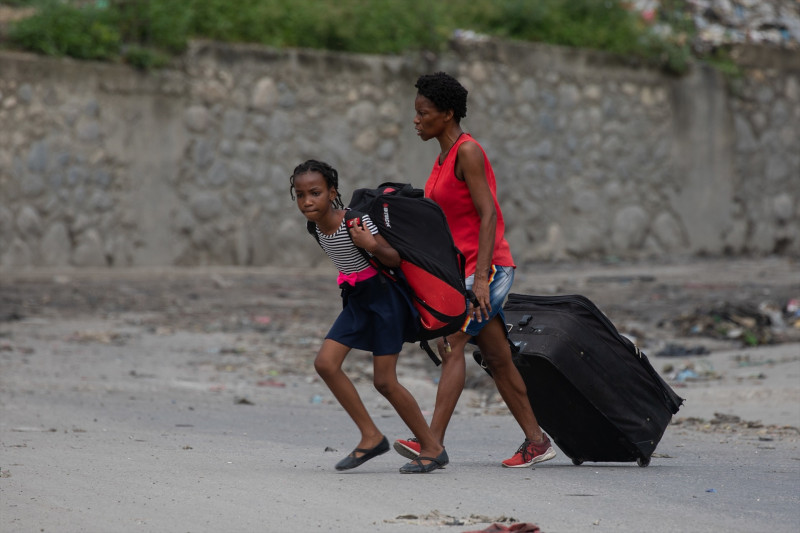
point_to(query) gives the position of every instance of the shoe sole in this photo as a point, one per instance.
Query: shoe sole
(405, 451)
(546, 456)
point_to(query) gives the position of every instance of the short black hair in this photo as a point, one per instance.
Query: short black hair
(327, 171)
(446, 93)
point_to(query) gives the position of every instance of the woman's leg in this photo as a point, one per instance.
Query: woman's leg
(496, 354)
(386, 383)
(328, 365)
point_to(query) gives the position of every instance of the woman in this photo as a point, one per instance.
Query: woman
(462, 182)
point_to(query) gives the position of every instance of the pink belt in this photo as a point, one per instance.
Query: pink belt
(355, 277)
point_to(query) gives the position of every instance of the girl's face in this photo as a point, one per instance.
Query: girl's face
(313, 195)
(429, 121)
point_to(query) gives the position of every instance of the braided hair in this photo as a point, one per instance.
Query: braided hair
(445, 92)
(327, 171)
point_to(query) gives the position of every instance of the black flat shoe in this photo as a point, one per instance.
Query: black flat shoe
(417, 467)
(352, 460)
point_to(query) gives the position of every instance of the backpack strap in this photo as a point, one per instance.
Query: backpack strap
(428, 350)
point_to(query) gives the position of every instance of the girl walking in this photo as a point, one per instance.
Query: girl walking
(376, 316)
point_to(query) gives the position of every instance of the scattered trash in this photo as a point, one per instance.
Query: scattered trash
(13, 316)
(711, 490)
(745, 360)
(732, 424)
(677, 350)
(621, 279)
(521, 527)
(686, 374)
(236, 350)
(329, 449)
(262, 320)
(718, 23)
(437, 518)
(262, 323)
(698, 370)
(270, 383)
(242, 401)
(220, 282)
(316, 399)
(752, 325)
(101, 337)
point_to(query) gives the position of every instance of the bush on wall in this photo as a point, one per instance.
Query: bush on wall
(145, 32)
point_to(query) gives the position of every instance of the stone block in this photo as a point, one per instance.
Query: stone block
(629, 229)
(89, 250)
(56, 247)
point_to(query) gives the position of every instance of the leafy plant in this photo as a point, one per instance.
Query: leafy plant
(60, 29)
(113, 29)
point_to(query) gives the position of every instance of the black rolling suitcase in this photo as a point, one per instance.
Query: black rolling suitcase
(591, 388)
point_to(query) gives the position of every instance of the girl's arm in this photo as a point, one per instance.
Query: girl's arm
(470, 168)
(376, 245)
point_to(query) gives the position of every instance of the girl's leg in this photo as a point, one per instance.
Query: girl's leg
(451, 382)
(328, 365)
(385, 380)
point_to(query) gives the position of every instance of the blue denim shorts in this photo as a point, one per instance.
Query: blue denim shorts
(500, 280)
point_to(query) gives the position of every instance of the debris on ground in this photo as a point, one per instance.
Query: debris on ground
(730, 424)
(719, 23)
(752, 325)
(100, 337)
(678, 350)
(521, 527)
(690, 371)
(437, 518)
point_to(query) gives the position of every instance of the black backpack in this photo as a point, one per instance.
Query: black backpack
(431, 266)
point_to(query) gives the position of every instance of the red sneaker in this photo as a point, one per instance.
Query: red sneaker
(529, 453)
(407, 448)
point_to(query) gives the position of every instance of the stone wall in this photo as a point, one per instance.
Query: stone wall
(103, 165)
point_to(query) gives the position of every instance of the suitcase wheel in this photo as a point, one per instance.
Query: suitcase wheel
(643, 461)
(577, 462)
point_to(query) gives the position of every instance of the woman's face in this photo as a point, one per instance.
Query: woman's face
(313, 195)
(429, 122)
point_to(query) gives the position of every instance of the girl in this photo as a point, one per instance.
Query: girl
(376, 316)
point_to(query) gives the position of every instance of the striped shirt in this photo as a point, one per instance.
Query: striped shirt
(340, 248)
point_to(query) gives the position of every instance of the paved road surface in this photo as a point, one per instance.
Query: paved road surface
(175, 418)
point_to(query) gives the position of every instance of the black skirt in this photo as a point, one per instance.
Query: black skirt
(377, 316)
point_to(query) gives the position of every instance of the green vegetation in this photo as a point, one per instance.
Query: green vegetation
(146, 33)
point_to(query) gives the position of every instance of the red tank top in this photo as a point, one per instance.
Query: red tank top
(453, 197)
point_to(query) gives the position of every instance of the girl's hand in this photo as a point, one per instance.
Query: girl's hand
(363, 238)
(481, 289)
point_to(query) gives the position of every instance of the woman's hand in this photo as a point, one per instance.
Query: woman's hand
(483, 298)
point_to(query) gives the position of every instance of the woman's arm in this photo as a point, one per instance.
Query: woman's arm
(375, 244)
(470, 168)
